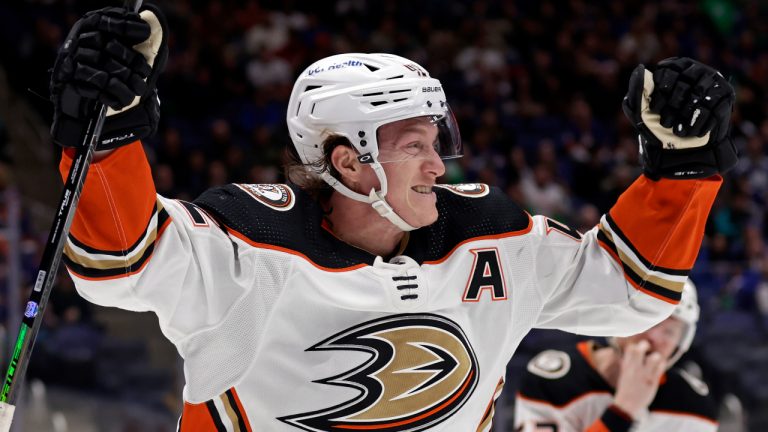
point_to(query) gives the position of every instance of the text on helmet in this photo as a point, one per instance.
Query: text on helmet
(341, 65)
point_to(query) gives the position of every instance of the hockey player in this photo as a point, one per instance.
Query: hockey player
(629, 384)
(381, 300)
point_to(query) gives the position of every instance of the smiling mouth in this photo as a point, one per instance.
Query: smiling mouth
(425, 190)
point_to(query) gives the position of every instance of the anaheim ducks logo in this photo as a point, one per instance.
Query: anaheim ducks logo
(421, 371)
(277, 196)
(471, 190)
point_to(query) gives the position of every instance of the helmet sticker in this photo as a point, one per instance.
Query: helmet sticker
(341, 65)
(365, 158)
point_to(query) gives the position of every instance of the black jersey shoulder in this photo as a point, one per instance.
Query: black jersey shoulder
(466, 212)
(543, 382)
(685, 394)
(280, 215)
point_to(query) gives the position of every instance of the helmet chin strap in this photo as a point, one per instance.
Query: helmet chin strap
(385, 210)
(375, 199)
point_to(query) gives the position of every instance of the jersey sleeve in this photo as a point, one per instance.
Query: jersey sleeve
(627, 273)
(131, 248)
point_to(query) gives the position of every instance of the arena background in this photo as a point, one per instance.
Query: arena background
(537, 87)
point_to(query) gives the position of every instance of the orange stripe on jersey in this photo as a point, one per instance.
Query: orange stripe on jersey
(525, 230)
(585, 348)
(490, 410)
(239, 405)
(597, 426)
(687, 414)
(197, 418)
(243, 237)
(650, 293)
(611, 252)
(128, 273)
(664, 220)
(117, 200)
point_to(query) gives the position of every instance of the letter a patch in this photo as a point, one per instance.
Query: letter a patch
(486, 275)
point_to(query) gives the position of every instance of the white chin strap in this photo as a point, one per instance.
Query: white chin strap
(375, 199)
(385, 210)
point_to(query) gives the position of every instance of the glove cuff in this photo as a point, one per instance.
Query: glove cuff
(694, 163)
(129, 126)
(67, 131)
(118, 130)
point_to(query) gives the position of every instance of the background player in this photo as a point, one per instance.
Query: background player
(629, 384)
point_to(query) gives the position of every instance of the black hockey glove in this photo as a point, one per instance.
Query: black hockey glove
(114, 57)
(682, 113)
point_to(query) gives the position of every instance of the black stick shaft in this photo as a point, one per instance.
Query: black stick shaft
(49, 265)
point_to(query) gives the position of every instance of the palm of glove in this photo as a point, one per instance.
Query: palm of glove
(682, 113)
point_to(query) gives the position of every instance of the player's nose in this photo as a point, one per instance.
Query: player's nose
(434, 164)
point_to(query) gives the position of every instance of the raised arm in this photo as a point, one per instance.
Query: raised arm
(111, 56)
(627, 273)
(129, 247)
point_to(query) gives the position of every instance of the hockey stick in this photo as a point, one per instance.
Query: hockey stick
(49, 264)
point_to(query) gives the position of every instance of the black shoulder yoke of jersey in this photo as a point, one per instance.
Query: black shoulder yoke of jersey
(684, 395)
(462, 218)
(580, 379)
(299, 228)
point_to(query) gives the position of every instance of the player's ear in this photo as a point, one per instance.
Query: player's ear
(344, 160)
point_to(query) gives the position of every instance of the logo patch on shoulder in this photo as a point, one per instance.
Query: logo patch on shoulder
(277, 196)
(470, 190)
(550, 364)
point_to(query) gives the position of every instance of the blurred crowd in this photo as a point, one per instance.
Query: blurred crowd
(536, 86)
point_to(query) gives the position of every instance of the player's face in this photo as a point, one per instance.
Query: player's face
(663, 337)
(407, 152)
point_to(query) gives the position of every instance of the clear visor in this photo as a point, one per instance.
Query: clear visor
(418, 142)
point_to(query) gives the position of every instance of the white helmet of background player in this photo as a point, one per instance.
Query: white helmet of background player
(352, 95)
(688, 312)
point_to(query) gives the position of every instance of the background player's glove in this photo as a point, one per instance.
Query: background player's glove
(111, 56)
(682, 113)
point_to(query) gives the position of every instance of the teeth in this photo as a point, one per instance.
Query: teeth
(422, 189)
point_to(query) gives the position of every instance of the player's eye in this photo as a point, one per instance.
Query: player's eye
(414, 147)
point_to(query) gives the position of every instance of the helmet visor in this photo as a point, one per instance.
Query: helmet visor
(413, 142)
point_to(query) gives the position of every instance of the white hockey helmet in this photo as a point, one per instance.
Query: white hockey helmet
(352, 95)
(688, 312)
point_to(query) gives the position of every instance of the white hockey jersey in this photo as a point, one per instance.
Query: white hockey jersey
(562, 392)
(283, 327)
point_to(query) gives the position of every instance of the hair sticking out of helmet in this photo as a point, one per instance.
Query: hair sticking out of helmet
(352, 95)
